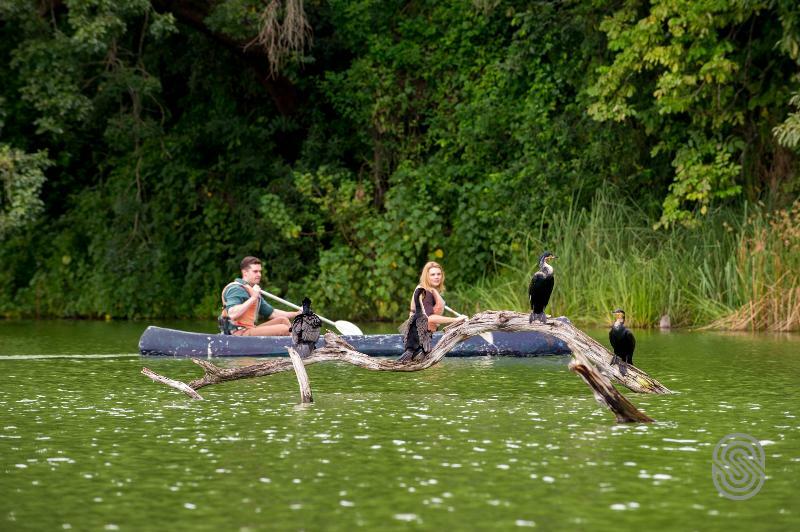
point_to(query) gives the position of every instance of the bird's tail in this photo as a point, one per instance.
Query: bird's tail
(303, 349)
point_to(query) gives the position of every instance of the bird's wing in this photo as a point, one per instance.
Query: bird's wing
(296, 330)
(424, 333)
(311, 326)
(534, 285)
(403, 329)
(427, 341)
(633, 341)
(311, 336)
(411, 338)
(540, 290)
(547, 288)
(535, 277)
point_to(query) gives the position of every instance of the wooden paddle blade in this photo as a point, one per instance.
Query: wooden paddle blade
(345, 327)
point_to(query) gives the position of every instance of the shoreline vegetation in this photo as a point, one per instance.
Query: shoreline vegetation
(739, 270)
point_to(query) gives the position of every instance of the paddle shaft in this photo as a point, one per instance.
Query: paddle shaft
(448, 309)
(292, 305)
(488, 336)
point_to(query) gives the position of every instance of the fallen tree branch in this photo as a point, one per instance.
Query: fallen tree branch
(178, 385)
(302, 377)
(605, 393)
(588, 354)
(635, 380)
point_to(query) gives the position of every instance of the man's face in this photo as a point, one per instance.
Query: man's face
(252, 275)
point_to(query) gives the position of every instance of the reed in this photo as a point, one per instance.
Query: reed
(739, 270)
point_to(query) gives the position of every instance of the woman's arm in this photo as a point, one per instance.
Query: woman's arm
(438, 319)
(438, 309)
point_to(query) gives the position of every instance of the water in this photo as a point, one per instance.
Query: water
(88, 443)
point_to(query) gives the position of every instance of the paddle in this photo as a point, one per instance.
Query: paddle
(345, 327)
(485, 335)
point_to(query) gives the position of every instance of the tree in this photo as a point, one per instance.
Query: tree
(705, 80)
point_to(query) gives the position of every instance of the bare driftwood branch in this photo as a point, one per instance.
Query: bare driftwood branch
(635, 380)
(605, 393)
(302, 377)
(588, 354)
(178, 385)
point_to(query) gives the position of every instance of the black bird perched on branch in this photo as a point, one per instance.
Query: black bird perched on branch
(541, 287)
(622, 341)
(305, 330)
(417, 338)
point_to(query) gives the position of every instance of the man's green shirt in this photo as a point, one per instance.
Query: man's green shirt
(236, 295)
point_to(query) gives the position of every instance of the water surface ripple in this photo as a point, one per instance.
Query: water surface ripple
(87, 443)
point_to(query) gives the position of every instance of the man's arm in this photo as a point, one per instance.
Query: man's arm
(236, 311)
(278, 313)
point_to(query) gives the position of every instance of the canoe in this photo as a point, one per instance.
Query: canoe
(159, 341)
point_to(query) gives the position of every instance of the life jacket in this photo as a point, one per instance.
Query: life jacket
(246, 320)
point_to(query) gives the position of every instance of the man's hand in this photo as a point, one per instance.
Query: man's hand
(254, 291)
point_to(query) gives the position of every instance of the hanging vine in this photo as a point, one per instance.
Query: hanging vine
(284, 31)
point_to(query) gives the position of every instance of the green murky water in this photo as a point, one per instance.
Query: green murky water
(88, 443)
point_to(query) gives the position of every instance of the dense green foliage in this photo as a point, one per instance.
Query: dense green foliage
(698, 75)
(22, 177)
(407, 131)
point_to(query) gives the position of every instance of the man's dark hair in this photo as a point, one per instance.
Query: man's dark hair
(247, 262)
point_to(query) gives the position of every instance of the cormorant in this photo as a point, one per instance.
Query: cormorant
(622, 341)
(305, 330)
(541, 287)
(417, 338)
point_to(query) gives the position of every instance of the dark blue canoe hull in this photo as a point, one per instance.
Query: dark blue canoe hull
(158, 341)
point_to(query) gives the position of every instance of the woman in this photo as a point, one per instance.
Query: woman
(432, 280)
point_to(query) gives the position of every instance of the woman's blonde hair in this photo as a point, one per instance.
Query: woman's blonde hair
(423, 277)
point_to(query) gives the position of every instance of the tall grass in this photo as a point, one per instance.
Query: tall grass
(738, 270)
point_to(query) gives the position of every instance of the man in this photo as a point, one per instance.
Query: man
(243, 304)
